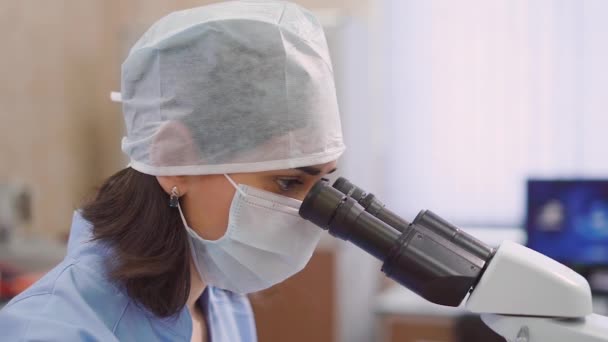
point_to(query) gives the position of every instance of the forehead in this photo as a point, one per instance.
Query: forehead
(317, 169)
(326, 166)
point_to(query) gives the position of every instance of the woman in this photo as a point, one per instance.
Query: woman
(231, 117)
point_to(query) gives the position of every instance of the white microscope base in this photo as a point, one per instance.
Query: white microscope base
(592, 328)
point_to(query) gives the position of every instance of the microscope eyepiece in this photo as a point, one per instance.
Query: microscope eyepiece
(344, 218)
(320, 204)
(370, 203)
(349, 189)
(436, 260)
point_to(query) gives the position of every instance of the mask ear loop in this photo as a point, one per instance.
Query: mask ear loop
(174, 202)
(179, 207)
(181, 213)
(235, 185)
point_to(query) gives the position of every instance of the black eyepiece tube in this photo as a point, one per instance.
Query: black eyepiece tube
(426, 218)
(349, 189)
(417, 258)
(371, 204)
(454, 234)
(344, 218)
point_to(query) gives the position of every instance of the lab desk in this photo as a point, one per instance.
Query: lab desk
(403, 316)
(32, 254)
(24, 261)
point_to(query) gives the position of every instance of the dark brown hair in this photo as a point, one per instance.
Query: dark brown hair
(131, 214)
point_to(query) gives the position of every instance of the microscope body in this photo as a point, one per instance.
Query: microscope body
(522, 295)
(526, 296)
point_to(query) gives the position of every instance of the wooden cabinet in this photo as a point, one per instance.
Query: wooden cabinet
(393, 328)
(439, 328)
(301, 309)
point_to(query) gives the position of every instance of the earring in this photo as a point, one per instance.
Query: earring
(174, 199)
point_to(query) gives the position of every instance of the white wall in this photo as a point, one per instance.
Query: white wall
(484, 94)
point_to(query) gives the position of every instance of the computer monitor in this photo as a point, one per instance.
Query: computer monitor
(567, 220)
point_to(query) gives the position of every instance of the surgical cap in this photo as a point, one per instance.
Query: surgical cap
(239, 86)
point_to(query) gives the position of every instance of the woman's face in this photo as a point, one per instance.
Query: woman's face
(206, 199)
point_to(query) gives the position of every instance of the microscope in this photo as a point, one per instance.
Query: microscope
(521, 294)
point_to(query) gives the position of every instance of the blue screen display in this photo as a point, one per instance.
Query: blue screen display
(567, 220)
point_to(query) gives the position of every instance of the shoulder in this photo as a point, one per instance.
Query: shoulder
(70, 302)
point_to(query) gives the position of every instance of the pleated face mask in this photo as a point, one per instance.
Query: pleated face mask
(266, 242)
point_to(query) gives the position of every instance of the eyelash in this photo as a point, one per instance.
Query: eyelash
(286, 184)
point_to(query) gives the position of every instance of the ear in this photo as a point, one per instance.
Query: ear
(168, 182)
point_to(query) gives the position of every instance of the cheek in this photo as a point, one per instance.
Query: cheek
(300, 196)
(208, 211)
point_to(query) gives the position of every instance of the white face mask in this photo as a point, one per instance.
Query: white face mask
(265, 243)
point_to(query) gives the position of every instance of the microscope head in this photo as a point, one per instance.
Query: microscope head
(520, 281)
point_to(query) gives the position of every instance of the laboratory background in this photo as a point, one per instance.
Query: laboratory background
(491, 113)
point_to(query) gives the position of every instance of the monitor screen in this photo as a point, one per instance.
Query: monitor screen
(567, 220)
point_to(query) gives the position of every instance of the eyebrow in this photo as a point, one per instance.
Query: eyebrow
(313, 171)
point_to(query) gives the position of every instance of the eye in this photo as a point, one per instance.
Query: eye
(288, 184)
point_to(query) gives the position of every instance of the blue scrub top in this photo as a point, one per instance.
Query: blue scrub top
(76, 301)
